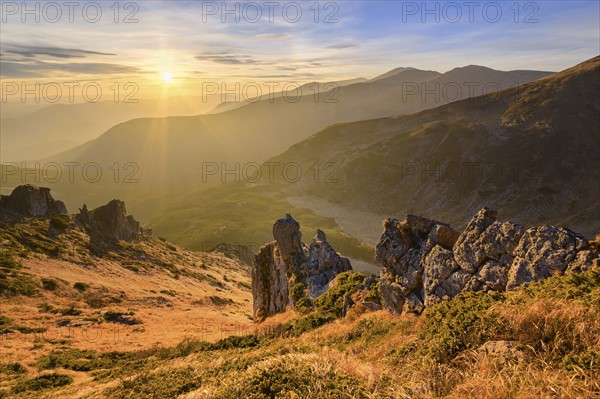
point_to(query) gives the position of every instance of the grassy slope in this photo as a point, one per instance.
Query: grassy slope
(59, 289)
(554, 326)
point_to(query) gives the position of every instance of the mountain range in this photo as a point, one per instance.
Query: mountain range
(173, 149)
(403, 153)
(516, 151)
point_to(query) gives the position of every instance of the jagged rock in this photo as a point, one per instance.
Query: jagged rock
(286, 232)
(444, 236)
(270, 288)
(586, 260)
(467, 253)
(425, 262)
(28, 200)
(485, 238)
(438, 266)
(392, 293)
(401, 249)
(413, 304)
(454, 284)
(542, 252)
(280, 265)
(323, 264)
(111, 222)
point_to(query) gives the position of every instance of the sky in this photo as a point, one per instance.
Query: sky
(179, 46)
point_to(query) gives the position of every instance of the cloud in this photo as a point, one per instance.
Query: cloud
(38, 69)
(56, 52)
(340, 46)
(224, 58)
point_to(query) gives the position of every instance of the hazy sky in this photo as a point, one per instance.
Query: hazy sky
(151, 42)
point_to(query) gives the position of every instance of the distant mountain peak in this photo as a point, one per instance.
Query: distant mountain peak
(396, 71)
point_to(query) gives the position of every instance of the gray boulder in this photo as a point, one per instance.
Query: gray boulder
(110, 222)
(28, 200)
(545, 251)
(425, 262)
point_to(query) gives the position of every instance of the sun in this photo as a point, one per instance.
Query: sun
(167, 77)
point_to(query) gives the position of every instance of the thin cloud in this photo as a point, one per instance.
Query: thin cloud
(55, 52)
(42, 69)
(230, 59)
(340, 46)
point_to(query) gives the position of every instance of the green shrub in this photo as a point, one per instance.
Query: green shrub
(59, 222)
(463, 323)
(160, 385)
(583, 287)
(80, 286)
(9, 261)
(16, 283)
(4, 321)
(332, 301)
(290, 377)
(84, 360)
(373, 294)
(112, 317)
(189, 346)
(236, 341)
(70, 311)
(220, 301)
(299, 295)
(122, 318)
(12, 368)
(49, 284)
(29, 330)
(45, 307)
(42, 382)
(373, 328)
(300, 325)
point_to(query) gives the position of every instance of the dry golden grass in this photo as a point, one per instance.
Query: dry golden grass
(169, 308)
(553, 327)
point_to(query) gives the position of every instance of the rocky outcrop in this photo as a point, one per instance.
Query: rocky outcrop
(425, 261)
(402, 249)
(287, 261)
(322, 265)
(28, 200)
(110, 222)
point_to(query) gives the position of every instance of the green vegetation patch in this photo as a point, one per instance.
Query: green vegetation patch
(465, 322)
(166, 384)
(13, 282)
(292, 376)
(583, 287)
(332, 301)
(12, 368)
(299, 295)
(43, 382)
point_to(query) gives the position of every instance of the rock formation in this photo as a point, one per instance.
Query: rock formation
(111, 222)
(286, 261)
(425, 261)
(28, 200)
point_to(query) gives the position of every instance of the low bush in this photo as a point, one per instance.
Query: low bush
(159, 385)
(59, 222)
(42, 382)
(332, 301)
(465, 322)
